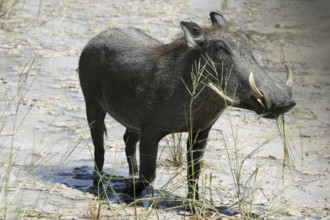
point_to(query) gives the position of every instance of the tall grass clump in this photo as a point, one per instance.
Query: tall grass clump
(197, 86)
(287, 148)
(246, 185)
(280, 122)
(11, 112)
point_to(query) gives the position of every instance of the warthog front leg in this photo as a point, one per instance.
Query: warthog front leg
(195, 150)
(148, 158)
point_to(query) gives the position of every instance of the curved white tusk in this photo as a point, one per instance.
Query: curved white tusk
(221, 94)
(261, 103)
(289, 77)
(256, 92)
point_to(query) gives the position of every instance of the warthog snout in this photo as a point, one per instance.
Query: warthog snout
(278, 109)
(274, 98)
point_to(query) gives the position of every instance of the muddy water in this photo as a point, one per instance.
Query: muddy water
(46, 152)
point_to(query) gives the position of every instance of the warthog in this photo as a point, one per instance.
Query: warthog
(150, 88)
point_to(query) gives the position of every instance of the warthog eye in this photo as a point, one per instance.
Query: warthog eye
(219, 46)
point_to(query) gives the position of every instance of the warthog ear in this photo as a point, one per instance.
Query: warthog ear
(195, 36)
(218, 20)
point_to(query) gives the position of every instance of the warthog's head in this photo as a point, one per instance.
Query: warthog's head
(240, 79)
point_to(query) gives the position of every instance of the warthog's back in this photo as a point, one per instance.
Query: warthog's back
(119, 46)
(127, 38)
(114, 68)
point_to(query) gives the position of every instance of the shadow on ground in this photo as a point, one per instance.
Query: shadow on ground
(113, 188)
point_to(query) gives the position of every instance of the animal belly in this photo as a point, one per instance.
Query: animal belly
(122, 110)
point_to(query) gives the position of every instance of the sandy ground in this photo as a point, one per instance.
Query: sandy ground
(46, 158)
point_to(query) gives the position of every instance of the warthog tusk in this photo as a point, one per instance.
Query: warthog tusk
(261, 103)
(256, 92)
(289, 77)
(221, 94)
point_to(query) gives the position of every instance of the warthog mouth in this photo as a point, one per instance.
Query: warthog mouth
(278, 110)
